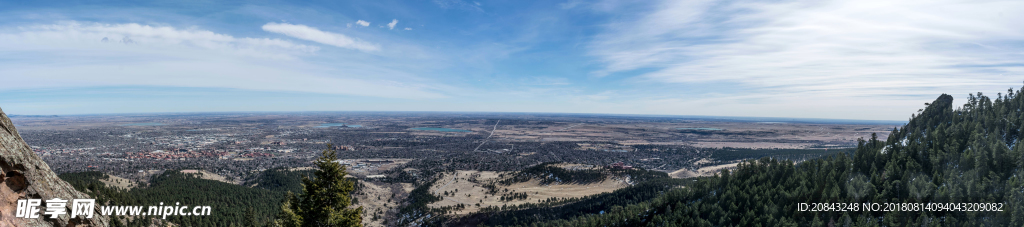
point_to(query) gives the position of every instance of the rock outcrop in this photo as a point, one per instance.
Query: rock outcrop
(26, 176)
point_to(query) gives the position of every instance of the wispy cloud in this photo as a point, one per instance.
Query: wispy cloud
(391, 26)
(822, 49)
(786, 58)
(75, 34)
(172, 57)
(313, 34)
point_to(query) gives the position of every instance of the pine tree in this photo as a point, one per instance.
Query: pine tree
(325, 199)
(289, 216)
(250, 217)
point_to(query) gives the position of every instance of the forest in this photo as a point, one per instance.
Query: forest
(232, 205)
(729, 154)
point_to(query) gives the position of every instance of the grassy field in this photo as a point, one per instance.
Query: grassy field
(463, 191)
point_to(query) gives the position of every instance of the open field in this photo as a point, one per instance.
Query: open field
(118, 182)
(210, 176)
(465, 192)
(365, 167)
(377, 199)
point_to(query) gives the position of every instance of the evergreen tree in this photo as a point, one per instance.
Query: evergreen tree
(250, 218)
(325, 199)
(289, 216)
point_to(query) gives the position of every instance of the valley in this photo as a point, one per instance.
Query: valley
(467, 164)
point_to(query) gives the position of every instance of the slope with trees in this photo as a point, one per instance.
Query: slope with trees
(942, 156)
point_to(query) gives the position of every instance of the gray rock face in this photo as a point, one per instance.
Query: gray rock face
(26, 176)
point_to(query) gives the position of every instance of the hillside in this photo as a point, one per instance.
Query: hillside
(949, 158)
(546, 191)
(231, 203)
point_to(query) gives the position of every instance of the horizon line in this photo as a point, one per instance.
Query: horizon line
(700, 117)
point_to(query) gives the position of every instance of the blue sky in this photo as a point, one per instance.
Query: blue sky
(875, 60)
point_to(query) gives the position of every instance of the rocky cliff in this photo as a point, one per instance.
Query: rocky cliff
(26, 176)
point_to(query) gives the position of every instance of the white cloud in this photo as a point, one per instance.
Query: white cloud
(363, 23)
(391, 26)
(407, 29)
(75, 35)
(313, 34)
(172, 57)
(816, 52)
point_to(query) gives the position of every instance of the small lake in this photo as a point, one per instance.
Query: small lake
(707, 129)
(144, 124)
(325, 125)
(441, 129)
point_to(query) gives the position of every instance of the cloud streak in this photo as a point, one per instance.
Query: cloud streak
(69, 55)
(822, 50)
(313, 34)
(76, 35)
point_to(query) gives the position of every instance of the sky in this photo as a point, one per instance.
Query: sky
(865, 59)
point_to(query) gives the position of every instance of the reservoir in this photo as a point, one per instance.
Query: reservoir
(441, 129)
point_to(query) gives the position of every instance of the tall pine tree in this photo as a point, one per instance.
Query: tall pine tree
(324, 200)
